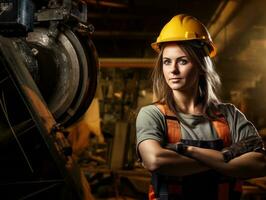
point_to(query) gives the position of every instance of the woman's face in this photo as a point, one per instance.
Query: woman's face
(179, 71)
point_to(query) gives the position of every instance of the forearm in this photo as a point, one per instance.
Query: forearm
(248, 165)
(173, 164)
(158, 159)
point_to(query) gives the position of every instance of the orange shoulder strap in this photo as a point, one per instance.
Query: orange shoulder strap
(173, 127)
(222, 128)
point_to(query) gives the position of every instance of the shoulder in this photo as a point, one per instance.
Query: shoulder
(151, 109)
(150, 114)
(239, 125)
(228, 109)
(150, 121)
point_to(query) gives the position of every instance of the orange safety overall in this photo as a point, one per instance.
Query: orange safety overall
(206, 185)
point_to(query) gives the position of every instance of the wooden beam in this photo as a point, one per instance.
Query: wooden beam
(127, 62)
(124, 34)
(107, 4)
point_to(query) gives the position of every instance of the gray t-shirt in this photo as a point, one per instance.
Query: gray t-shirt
(150, 124)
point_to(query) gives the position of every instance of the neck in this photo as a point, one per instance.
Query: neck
(187, 102)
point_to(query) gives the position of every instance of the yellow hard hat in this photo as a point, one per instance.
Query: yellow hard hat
(184, 27)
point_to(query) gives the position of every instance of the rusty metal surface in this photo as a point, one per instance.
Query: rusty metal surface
(33, 161)
(67, 71)
(59, 69)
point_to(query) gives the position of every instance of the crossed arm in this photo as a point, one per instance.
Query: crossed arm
(195, 160)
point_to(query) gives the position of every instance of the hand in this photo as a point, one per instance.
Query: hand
(249, 144)
(178, 147)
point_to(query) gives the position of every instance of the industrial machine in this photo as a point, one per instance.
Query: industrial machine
(48, 77)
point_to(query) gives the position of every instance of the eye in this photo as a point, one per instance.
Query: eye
(166, 61)
(183, 61)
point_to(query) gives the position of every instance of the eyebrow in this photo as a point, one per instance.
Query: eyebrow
(177, 57)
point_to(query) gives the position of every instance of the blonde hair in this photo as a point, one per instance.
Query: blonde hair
(209, 81)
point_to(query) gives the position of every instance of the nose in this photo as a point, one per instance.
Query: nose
(175, 68)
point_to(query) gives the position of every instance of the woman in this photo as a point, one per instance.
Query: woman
(195, 146)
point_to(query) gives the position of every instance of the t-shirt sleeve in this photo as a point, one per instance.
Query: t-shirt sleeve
(150, 124)
(240, 126)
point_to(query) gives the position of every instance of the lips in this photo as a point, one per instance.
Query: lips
(175, 79)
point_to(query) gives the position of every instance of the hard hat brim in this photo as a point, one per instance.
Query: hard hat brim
(156, 46)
